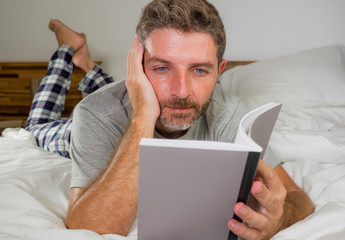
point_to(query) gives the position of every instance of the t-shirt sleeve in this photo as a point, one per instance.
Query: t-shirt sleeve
(226, 124)
(92, 145)
(99, 122)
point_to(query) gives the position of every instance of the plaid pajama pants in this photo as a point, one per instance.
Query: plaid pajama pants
(44, 122)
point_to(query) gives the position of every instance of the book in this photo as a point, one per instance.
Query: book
(188, 188)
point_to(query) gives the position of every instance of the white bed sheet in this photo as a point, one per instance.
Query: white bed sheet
(316, 162)
(34, 190)
(34, 187)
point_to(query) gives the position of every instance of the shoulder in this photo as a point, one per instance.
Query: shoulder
(224, 114)
(106, 112)
(106, 105)
(111, 97)
(224, 103)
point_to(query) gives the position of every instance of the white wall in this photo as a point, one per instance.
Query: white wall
(261, 29)
(256, 29)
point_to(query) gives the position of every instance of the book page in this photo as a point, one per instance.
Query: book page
(256, 127)
(262, 127)
(194, 144)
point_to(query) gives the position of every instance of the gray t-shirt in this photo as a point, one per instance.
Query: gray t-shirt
(100, 120)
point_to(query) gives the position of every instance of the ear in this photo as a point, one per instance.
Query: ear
(222, 65)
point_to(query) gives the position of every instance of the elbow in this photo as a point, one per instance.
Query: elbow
(92, 224)
(307, 204)
(310, 208)
(300, 202)
(72, 222)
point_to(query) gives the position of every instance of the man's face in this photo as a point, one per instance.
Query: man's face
(183, 69)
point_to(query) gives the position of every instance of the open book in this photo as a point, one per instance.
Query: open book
(187, 189)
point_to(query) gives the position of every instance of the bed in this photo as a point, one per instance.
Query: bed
(309, 139)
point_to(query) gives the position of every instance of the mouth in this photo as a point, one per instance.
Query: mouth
(178, 109)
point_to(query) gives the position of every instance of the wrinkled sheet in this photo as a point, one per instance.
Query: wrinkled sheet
(34, 187)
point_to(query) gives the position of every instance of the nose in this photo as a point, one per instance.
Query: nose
(182, 85)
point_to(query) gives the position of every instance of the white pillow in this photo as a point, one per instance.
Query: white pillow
(310, 84)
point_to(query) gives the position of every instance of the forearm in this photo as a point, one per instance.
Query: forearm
(109, 205)
(297, 207)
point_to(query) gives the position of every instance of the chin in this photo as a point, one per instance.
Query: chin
(177, 124)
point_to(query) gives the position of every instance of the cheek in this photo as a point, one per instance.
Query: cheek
(160, 85)
(203, 90)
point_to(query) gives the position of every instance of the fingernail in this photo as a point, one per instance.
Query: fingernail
(243, 211)
(259, 189)
(256, 187)
(240, 209)
(234, 226)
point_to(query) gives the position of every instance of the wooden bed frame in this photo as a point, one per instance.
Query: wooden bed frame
(19, 82)
(232, 64)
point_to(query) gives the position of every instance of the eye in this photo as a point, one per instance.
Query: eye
(200, 71)
(161, 69)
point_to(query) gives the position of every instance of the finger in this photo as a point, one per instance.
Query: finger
(269, 203)
(139, 56)
(134, 61)
(243, 231)
(129, 61)
(137, 50)
(133, 50)
(271, 179)
(251, 217)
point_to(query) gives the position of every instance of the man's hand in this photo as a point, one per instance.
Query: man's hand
(116, 190)
(142, 96)
(270, 193)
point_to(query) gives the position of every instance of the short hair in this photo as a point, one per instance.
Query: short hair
(185, 16)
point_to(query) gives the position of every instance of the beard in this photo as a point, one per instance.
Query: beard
(181, 121)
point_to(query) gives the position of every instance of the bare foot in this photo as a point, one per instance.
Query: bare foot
(66, 36)
(82, 58)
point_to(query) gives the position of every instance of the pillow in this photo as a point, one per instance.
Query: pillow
(310, 84)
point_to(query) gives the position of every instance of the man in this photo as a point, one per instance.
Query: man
(170, 92)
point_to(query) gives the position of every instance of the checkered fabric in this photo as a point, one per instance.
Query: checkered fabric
(44, 121)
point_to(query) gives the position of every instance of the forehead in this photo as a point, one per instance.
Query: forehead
(176, 46)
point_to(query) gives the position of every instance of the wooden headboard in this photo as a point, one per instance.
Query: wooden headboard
(18, 84)
(232, 64)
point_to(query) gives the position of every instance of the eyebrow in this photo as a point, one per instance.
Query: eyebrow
(155, 59)
(206, 64)
(201, 64)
